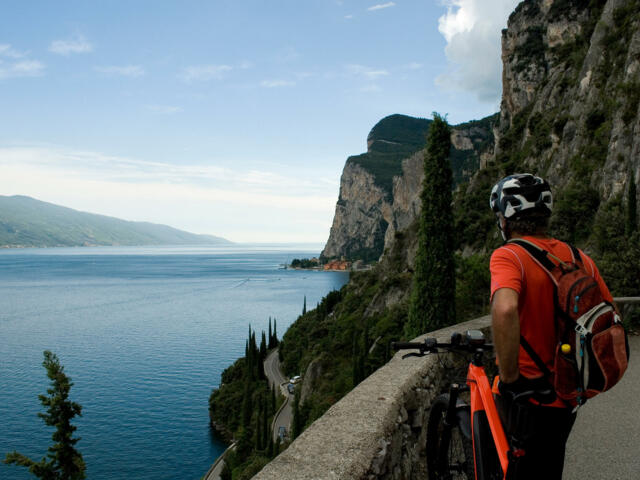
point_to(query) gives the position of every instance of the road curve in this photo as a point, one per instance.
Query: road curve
(274, 374)
(604, 442)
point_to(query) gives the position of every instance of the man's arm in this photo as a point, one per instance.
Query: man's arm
(506, 332)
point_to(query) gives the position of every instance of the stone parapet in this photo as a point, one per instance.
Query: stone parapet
(378, 430)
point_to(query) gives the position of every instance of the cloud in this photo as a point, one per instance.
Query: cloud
(164, 109)
(133, 71)
(78, 44)
(381, 6)
(23, 68)
(203, 198)
(203, 73)
(348, 17)
(15, 64)
(277, 83)
(472, 29)
(7, 51)
(413, 66)
(368, 72)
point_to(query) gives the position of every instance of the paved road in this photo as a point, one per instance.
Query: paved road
(605, 442)
(275, 376)
(272, 369)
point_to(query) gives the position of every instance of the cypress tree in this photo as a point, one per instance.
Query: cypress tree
(432, 303)
(632, 206)
(265, 427)
(263, 347)
(276, 447)
(65, 462)
(270, 447)
(270, 335)
(275, 333)
(304, 305)
(258, 425)
(297, 420)
(247, 404)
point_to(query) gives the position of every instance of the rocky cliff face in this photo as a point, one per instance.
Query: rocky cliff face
(370, 210)
(571, 89)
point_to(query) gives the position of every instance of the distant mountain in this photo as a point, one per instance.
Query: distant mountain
(27, 222)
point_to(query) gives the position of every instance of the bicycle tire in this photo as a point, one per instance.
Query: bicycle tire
(449, 450)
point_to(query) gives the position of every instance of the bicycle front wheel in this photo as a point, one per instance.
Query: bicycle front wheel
(449, 449)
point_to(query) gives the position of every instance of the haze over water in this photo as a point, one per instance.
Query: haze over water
(144, 333)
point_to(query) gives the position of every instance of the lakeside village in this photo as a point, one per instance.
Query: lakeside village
(341, 265)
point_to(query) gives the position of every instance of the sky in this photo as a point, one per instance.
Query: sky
(227, 117)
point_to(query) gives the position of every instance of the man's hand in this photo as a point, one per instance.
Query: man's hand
(506, 332)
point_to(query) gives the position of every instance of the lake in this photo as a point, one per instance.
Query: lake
(144, 333)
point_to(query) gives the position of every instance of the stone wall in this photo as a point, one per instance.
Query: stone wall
(378, 430)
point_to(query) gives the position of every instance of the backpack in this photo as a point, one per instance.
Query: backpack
(592, 349)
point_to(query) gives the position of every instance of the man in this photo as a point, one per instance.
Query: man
(522, 304)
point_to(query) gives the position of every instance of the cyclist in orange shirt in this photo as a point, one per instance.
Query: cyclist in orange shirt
(522, 304)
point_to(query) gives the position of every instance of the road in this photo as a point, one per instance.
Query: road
(604, 443)
(275, 376)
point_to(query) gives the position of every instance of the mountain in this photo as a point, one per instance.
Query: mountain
(380, 189)
(27, 222)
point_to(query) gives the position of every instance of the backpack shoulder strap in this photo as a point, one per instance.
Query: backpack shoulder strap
(577, 258)
(538, 254)
(535, 357)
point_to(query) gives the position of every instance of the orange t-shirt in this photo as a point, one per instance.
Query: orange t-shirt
(512, 267)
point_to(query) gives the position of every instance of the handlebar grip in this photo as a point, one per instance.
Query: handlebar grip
(406, 345)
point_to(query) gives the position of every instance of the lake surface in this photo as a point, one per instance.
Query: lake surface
(145, 334)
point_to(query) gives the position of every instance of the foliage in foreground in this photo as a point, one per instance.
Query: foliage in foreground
(63, 461)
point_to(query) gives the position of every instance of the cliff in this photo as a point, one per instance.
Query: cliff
(380, 189)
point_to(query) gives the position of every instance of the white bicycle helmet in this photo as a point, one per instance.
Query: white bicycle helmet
(521, 193)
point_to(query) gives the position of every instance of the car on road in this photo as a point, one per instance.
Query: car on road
(282, 433)
(291, 388)
(295, 379)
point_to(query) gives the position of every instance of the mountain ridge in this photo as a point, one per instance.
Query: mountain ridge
(28, 222)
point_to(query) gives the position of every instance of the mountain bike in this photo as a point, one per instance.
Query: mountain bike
(468, 440)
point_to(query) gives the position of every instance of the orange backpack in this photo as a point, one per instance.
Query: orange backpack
(592, 348)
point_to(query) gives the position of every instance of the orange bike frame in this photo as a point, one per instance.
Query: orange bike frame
(482, 401)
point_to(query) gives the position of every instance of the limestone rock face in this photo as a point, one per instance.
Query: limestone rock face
(571, 83)
(367, 216)
(360, 221)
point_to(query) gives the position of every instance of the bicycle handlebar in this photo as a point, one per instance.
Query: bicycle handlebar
(471, 342)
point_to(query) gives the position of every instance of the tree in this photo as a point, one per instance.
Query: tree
(632, 207)
(432, 303)
(304, 305)
(65, 462)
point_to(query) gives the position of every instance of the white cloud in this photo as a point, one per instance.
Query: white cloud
(198, 198)
(472, 30)
(164, 109)
(132, 71)
(368, 72)
(77, 44)
(15, 64)
(23, 68)
(348, 17)
(381, 6)
(414, 66)
(7, 51)
(203, 73)
(277, 83)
